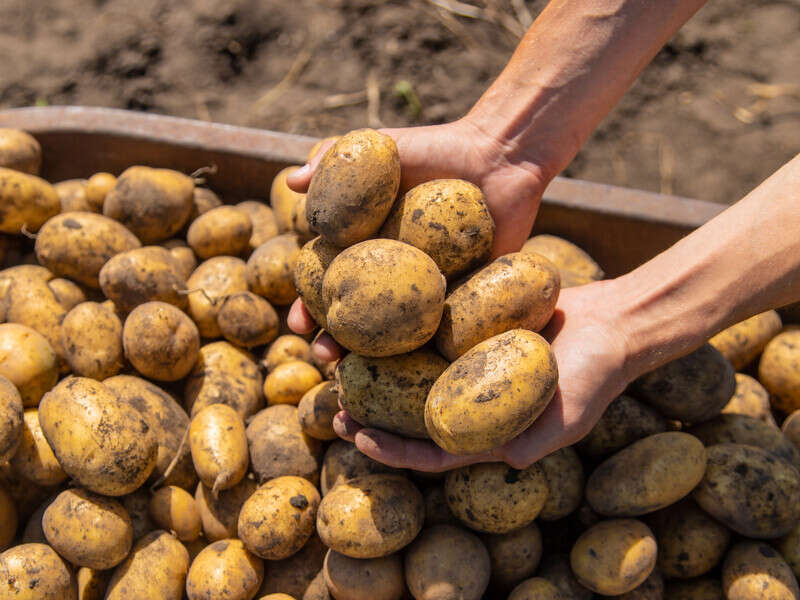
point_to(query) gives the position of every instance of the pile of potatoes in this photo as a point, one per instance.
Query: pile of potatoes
(163, 435)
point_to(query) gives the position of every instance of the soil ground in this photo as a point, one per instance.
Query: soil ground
(715, 113)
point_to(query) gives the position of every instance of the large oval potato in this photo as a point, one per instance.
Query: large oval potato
(494, 497)
(343, 462)
(742, 342)
(97, 188)
(102, 443)
(27, 201)
(751, 399)
(220, 515)
(756, 570)
(571, 260)
(778, 370)
(564, 473)
(389, 393)
(514, 556)
(492, 393)
(91, 335)
(316, 410)
(750, 491)
(20, 151)
(224, 570)
(647, 475)
(282, 199)
(270, 269)
(28, 361)
(314, 259)
(370, 516)
(286, 348)
(246, 319)
(11, 419)
(625, 421)
(263, 221)
(9, 519)
(72, 195)
(34, 459)
(173, 508)
(211, 282)
(288, 382)
(36, 572)
(353, 187)
(219, 447)
(224, 230)
(364, 579)
(296, 575)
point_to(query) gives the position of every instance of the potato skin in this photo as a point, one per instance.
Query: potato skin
(316, 410)
(353, 187)
(370, 516)
(570, 259)
(343, 461)
(364, 579)
(270, 269)
(789, 547)
(219, 447)
(9, 519)
(286, 348)
(750, 491)
(791, 428)
(92, 583)
(91, 335)
(514, 556)
(34, 459)
(557, 570)
(220, 515)
(777, 370)
(262, 219)
(536, 588)
(72, 195)
(203, 200)
(224, 230)
(625, 421)
(173, 508)
(26, 200)
(314, 259)
(564, 473)
(11, 422)
(104, 444)
(180, 251)
(648, 475)
(295, 575)
(224, 570)
(246, 319)
(68, 293)
(217, 277)
(27, 360)
(751, 399)
(492, 393)
(742, 342)
(289, 381)
(36, 572)
(651, 589)
(20, 151)
(97, 188)
(282, 199)
(702, 588)
(756, 570)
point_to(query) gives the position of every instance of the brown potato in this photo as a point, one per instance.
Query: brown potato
(343, 462)
(27, 201)
(569, 258)
(289, 381)
(625, 421)
(756, 570)
(173, 508)
(436, 510)
(651, 589)
(316, 410)
(224, 230)
(72, 195)
(364, 579)
(447, 562)
(137, 504)
(9, 519)
(282, 199)
(314, 259)
(34, 459)
(20, 151)
(514, 556)
(77, 245)
(224, 570)
(295, 575)
(203, 201)
(97, 188)
(742, 342)
(180, 251)
(36, 572)
(751, 399)
(564, 473)
(247, 320)
(791, 428)
(300, 222)
(68, 294)
(219, 447)
(11, 421)
(220, 515)
(284, 349)
(91, 335)
(702, 588)
(92, 583)
(27, 360)
(536, 588)
(789, 547)
(212, 280)
(87, 529)
(492, 393)
(557, 570)
(270, 269)
(263, 221)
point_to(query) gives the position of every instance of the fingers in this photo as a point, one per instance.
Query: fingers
(300, 179)
(325, 349)
(345, 426)
(299, 319)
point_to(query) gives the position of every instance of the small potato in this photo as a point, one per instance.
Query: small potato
(316, 410)
(284, 349)
(279, 447)
(648, 475)
(68, 294)
(778, 368)
(36, 572)
(375, 315)
(72, 195)
(97, 188)
(220, 515)
(102, 443)
(11, 421)
(173, 508)
(536, 588)
(153, 203)
(789, 547)
(155, 568)
(389, 393)
(262, 219)
(492, 393)
(28, 361)
(514, 555)
(9, 519)
(137, 504)
(565, 255)
(87, 529)
(34, 533)
(691, 389)
(756, 570)
(91, 335)
(353, 187)
(278, 519)
(247, 320)
(447, 562)
(614, 557)
(220, 231)
(289, 381)
(270, 269)
(370, 516)
(211, 281)
(742, 342)
(364, 579)
(27, 201)
(224, 570)
(20, 151)
(282, 199)
(34, 459)
(295, 575)
(791, 428)
(494, 497)
(564, 473)
(343, 462)
(750, 491)
(751, 399)
(203, 201)
(625, 421)
(557, 570)
(219, 447)
(92, 583)
(314, 259)
(187, 261)
(702, 588)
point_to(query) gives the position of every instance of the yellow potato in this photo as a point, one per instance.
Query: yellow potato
(625, 421)
(564, 473)
(694, 589)
(262, 218)
(343, 462)
(72, 195)
(92, 583)
(219, 447)
(102, 443)
(20, 151)
(187, 261)
(36, 572)
(11, 421)
(9, 519)
(203, 200)
(751, 399)
(327, 142)
(91, 335)
(97, 188)
(316, 410)
(33, 532)
(220, 515)
(284, 349)
(247, 320)
(742, 342)
(289, 381)
(557, 570)
(492, 393)
(27, 360)
(87, 529)
(514, 555)
(277, 596)
(300, 222)
(317, 589)
(282, 199)
(777, 370)
(68, 294)
(138, 506)
(314, 259)
(536, 588)
(224, 230)
(295, 575)
(569, 258)
(756, 570)
(270, 269)
(210, 282)
(173, 508)
(27, 201)
(34, 459)
(224, 570)
(364, 579)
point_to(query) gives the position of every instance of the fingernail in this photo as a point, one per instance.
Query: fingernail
(303, 171)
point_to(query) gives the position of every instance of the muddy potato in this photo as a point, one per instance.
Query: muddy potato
(557, 570)
(316, 410)
(278, 518)
(751, 399)
(91, 335)
(270, 269)
(370, 516)
(87, 529)
(36, 572)
(173, 508)
(155, 568)
(778, 370)
(27, 201)
(364, 579)
(203, 201)
(702, 588)
(742, 342)
(20, 151)
(33, 532)
(278, 445)
(224, 570)
(625, 421)
(447, 562)
(137, 504)
(68, 294)
(564, 473)
(286, 348)
(247, 320)
(343, 462)
(299, 221)
(11, 421)
(211, 281)
(262, 219)
(514, 556)
(791, 428)
(72, 195)
(220, 515)
(102, 443)
(614, 557)
(219, 447)
(97, 188)
(289, 381)
(755, 570)
(34, 459)
(187, 261)
(691, 389)
(295, 575)
(282, 199)
(28, 361)
(536, 588)
(492, 393)
(648, 475)
(9, 519)
(92, 583)
(565, 255)
(314, 259)
(224, 230)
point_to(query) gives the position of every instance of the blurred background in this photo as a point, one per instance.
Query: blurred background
(716, 112)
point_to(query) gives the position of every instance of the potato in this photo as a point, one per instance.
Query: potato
(87, 529)
(777, 370)
(284, 349)
(224, 374)
(247, 320)
(353, 187)
(142, 275)
(263, 221)
(153, 203)
(203, 201)
(494, 497)
(20, 151)
(213, 280)
(220, 515)
(180, 251)
(750, 491)
(651, 589)
(370, 516)
(294, 575)
(514, 556)
(97, 188)
(625, 421)
(614, 557)
(314, 259)
(317, 589)
(27, 201)
(756, 570)
(27, 360)
(279, 447)
(300, 222)
(447, 562)
(137, 504)
(789, 547)
(77, 245)
(564, 473)
(492, 393)
(155, 568)
(173, 508)
(92, 583)
(67, 293)
(318, 146)
(316, 410)
(436, 510)
(751, 399)
(36, 572)
(691, 389)
(224, 570)
(72, 195)
(224, 230)
(270, 269)
(791, 428)
(742, 342)
(343, 462)
(282, 199)
(690, 543)
(9, 519)
(219, 447)
(557, 570)
(278, 518)
(536, 588)
(364, 579)
(91, 335)
(648, 475)
(161, 341)
(289, 381)
(102, 443)
(11, 422)
(569, 258)
(34, 459)
(278, 596)
(694, 589)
